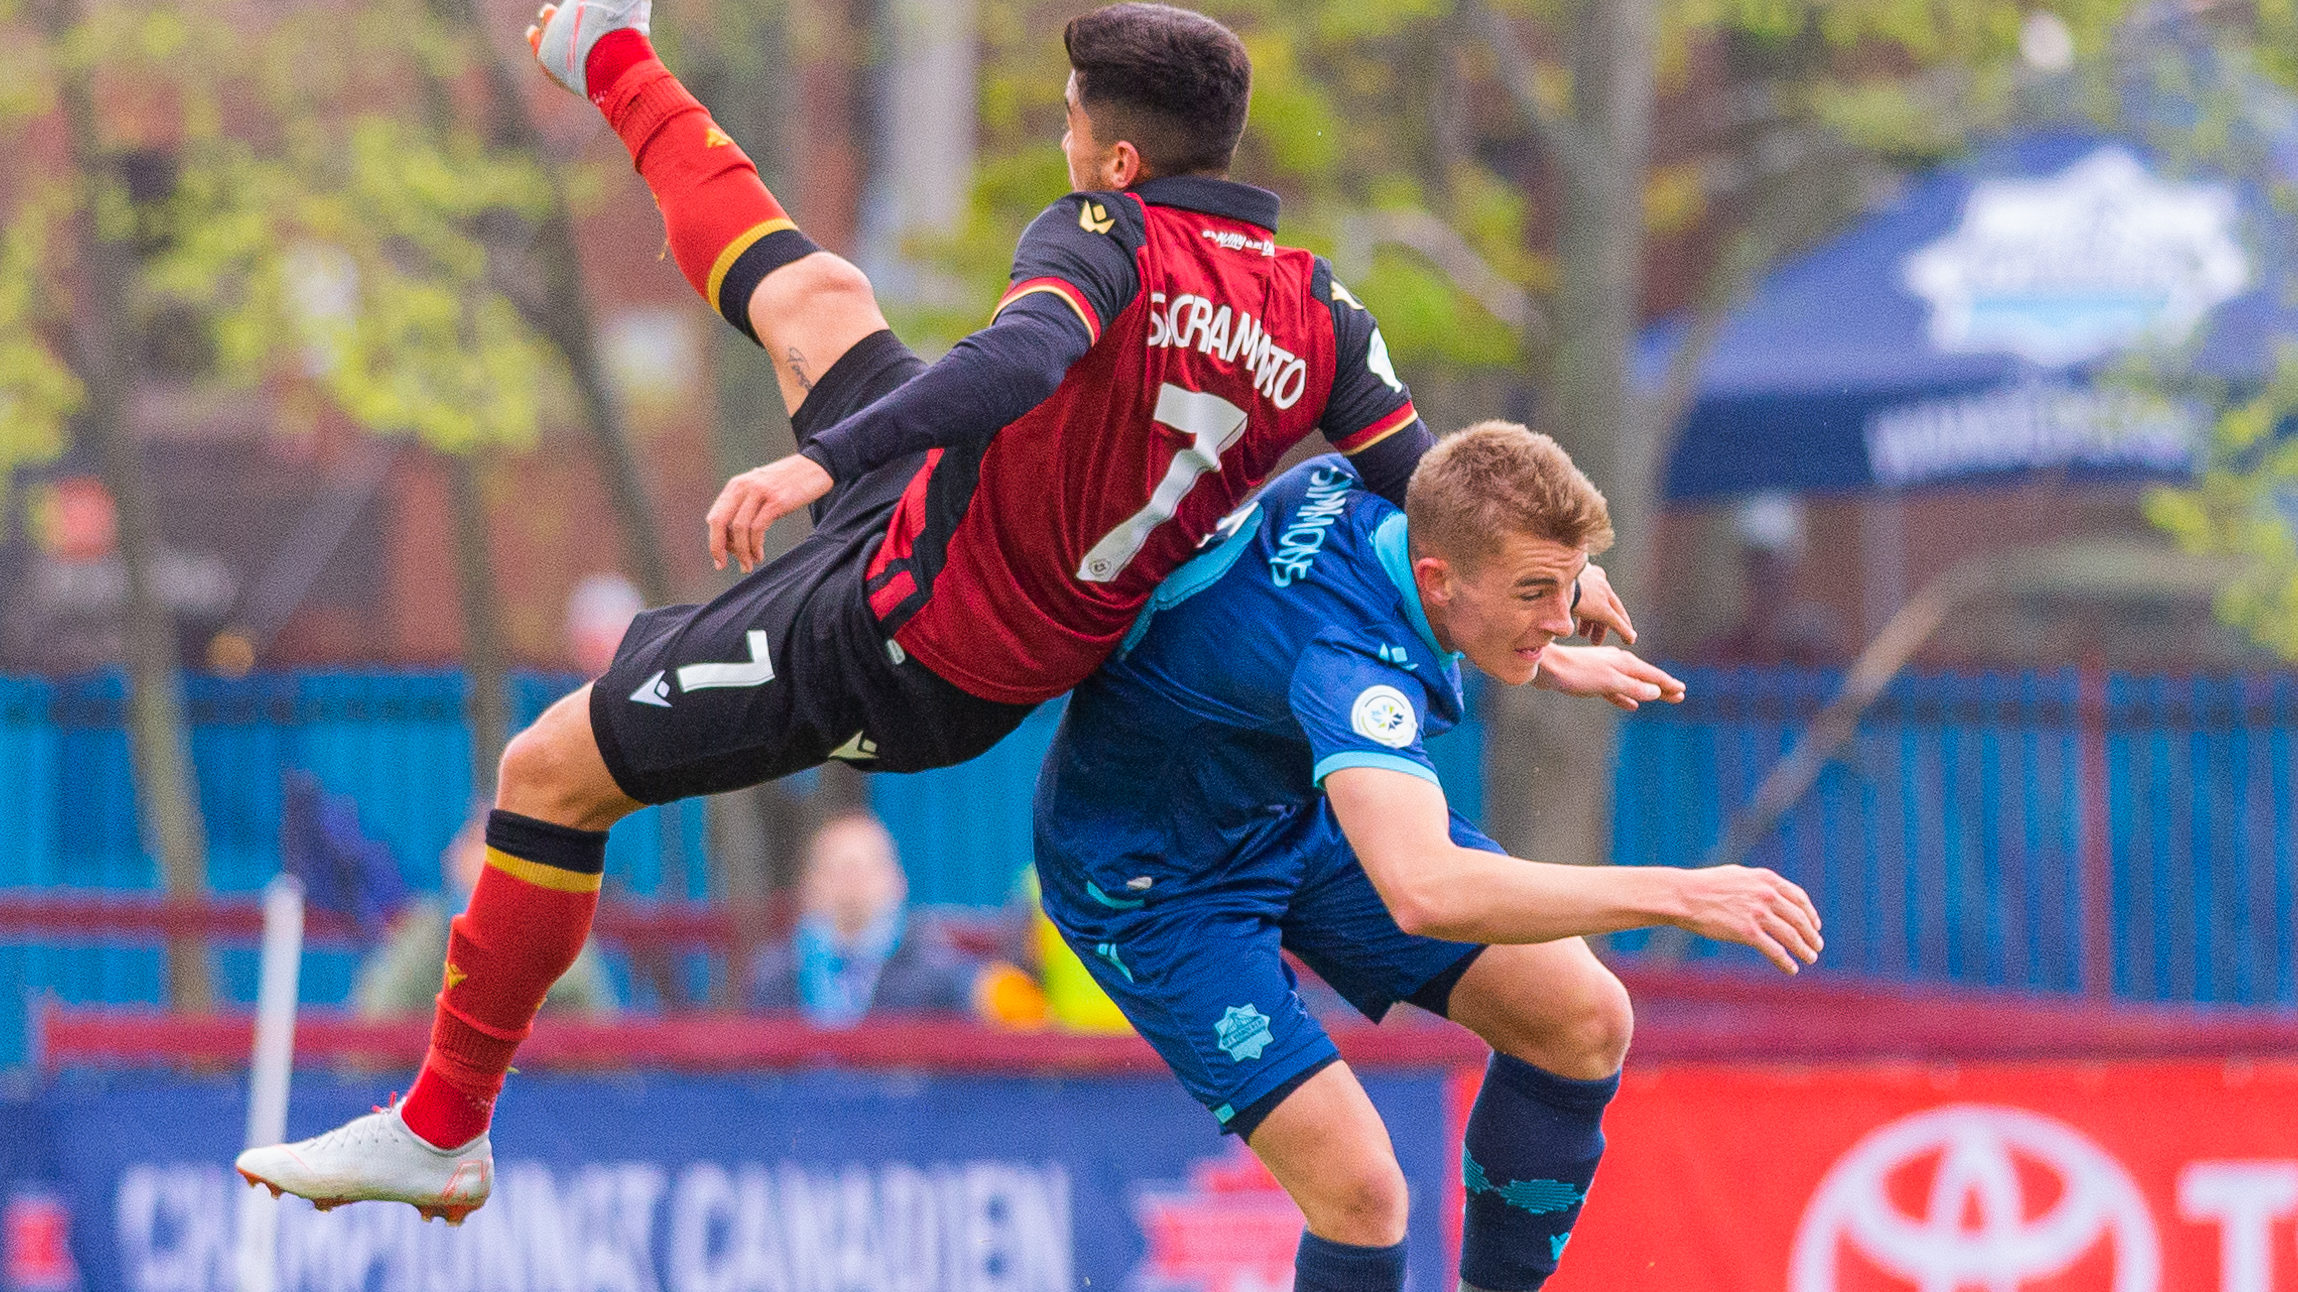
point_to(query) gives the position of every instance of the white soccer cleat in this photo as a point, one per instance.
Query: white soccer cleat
(377, 1159)
(563, 34)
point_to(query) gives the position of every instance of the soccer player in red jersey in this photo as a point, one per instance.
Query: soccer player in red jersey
(986, 528)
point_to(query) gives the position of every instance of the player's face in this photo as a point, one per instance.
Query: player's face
(1094, 164)
(1078, 144)
(1503, 610)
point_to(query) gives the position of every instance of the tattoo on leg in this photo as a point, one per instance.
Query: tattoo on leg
(797, 364)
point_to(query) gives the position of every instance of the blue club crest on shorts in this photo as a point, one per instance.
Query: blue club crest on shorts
(1244, 1032)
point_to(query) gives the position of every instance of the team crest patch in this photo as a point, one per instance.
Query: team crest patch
(1382, 714)
(1244, 1032)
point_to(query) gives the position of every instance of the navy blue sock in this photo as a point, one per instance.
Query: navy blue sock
(1533, 1142)
(1323, 1266)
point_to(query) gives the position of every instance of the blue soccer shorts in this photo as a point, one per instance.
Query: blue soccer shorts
(1195, 963)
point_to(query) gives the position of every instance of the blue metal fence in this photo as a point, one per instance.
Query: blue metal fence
(2056, 831)
(396, 743)
(2050, 830)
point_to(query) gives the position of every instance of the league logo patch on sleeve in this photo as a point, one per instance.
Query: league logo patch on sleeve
(1381, 713)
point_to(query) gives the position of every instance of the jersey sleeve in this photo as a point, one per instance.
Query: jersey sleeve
(1082, 251)
(1359, 710)
(1073, 270)
(1369, 416)
(985, 382)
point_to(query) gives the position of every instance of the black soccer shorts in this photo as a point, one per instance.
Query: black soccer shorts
(789, 668)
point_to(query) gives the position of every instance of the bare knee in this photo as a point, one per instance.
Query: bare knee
(807, 314)
(1553, 1005)
(1367, 1207)
(1600, 1029)
(1584, 1037)
(809, 286)
(552, 771)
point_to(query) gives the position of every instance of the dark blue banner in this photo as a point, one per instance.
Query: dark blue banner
(814, 1182)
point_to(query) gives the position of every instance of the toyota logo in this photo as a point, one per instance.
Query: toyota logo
(1979, 1227)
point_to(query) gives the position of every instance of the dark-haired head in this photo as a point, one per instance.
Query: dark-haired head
(1171, 83)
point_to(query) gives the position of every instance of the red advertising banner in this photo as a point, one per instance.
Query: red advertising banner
(2055, 1177)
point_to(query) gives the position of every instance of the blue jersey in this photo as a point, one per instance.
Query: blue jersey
(1294, 647)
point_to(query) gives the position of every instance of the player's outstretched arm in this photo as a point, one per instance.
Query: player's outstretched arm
(984, 383)
(1606, 673)
(1074, 267)
(1401, 831)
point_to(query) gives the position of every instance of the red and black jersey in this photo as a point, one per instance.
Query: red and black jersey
(1018, 558)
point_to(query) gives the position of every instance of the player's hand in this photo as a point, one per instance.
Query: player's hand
(1607, 673)
(1755, 908)
(751, 502)
(1600, 610)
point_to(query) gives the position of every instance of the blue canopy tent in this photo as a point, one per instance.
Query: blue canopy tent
(1956, 336)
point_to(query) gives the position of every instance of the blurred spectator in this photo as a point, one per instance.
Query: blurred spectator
(856, 949)
(1777, 625)
(402, 975)
(1075, 1002)
(343, 868)
(599, 611)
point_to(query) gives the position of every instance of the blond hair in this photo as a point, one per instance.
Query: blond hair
(1497, 478)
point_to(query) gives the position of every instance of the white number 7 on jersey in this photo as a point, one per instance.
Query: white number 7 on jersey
(1215, 425)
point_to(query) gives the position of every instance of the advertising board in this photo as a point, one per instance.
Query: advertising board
(2122, 1177)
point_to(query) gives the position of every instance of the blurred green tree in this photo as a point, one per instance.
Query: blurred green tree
(345, 238)
(69, 324)
(537, 249)
(38, 390)
(1800, 112)
(2243, 504)
(2236, 81)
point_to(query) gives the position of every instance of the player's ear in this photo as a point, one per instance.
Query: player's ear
(1434, 576)
(1123, 167)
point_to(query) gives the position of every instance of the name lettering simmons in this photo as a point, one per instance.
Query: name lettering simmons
(1233, 337)
(1298, 546)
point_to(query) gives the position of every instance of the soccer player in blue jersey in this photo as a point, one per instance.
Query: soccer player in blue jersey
(1248, 774)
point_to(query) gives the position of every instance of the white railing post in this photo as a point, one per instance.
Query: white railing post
(274, 1061)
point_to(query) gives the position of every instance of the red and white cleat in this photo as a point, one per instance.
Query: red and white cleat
(564, 33)
(377, 1159)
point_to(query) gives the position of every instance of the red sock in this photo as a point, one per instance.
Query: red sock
(726, 231)
(526, 923)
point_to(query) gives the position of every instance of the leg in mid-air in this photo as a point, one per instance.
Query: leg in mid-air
(546, 838)
(813, 312)
(734, 242)
(527, 919)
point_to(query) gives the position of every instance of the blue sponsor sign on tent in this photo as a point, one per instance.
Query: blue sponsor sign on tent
(1957, 336)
